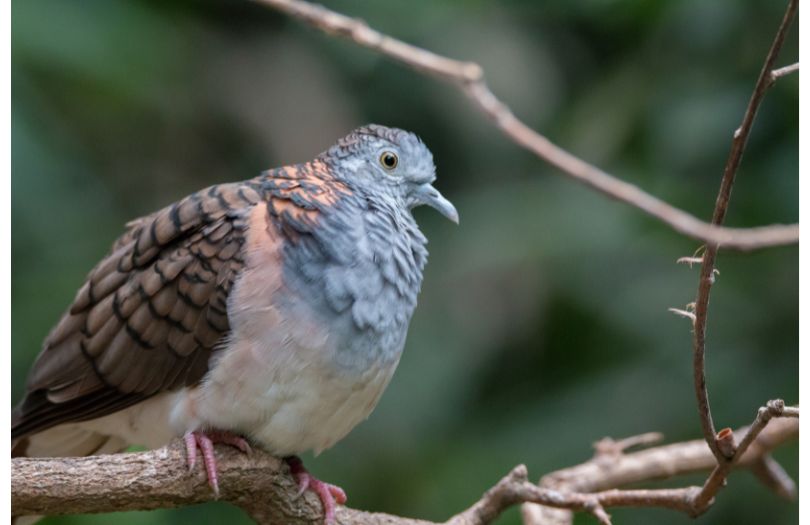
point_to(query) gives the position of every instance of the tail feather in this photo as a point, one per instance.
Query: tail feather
(67, 440)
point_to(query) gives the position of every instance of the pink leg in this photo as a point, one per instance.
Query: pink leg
(205, 442)
(330, 495)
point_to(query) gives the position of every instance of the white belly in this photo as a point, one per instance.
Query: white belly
(288, 406)
(287, 400)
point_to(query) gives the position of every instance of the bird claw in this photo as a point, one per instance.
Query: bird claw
(303, 483)
(204, 441)
(330, 495)
(191, 450)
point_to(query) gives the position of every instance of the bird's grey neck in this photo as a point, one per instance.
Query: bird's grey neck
(364, 262)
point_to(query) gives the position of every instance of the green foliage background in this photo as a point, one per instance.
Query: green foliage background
(543, 320)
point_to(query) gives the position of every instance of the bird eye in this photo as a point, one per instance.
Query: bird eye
(389, 160)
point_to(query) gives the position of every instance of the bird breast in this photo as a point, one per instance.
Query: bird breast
(303, 364)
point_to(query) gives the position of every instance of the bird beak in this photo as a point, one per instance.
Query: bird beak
(427, 194)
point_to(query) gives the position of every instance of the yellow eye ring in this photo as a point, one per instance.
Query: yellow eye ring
(389, 160)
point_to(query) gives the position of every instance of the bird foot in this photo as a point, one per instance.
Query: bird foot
(204, 440)
(330, 495)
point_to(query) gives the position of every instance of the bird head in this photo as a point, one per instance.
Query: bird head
(389, 163)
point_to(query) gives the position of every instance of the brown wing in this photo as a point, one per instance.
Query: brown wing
(148, 316)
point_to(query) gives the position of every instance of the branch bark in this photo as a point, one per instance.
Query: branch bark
(469, 78)
(261, 485)
(258, 483)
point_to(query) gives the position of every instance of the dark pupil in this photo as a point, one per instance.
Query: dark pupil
(389, 160)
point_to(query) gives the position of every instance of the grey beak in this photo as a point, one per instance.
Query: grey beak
(427, 194)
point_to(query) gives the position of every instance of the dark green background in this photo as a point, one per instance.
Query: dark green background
(543, 320)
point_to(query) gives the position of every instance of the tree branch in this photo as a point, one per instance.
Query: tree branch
(707, 270)
(613, 468)
(261, 485)
(469, 77)
(258, 483)
(515, 488)
(717, 479)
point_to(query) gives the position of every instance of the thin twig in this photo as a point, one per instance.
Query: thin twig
(784, 71)
(469, 77)
(689, 260)
(609, 446)
(773, 476)
(683, 313)
(707, 274)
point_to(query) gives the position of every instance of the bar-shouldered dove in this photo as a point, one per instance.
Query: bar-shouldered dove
(271, 311)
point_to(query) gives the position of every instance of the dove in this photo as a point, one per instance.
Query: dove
(270, 313)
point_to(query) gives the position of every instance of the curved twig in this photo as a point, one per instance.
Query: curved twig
(707, 270)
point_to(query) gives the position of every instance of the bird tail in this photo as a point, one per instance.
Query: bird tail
(65, 441)
(35, 433)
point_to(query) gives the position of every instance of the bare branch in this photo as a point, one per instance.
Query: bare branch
(604, 472)
(707, 274)
(773, 476)
(717, 479)
(515, 488)
(261, 485)
(469, 77)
